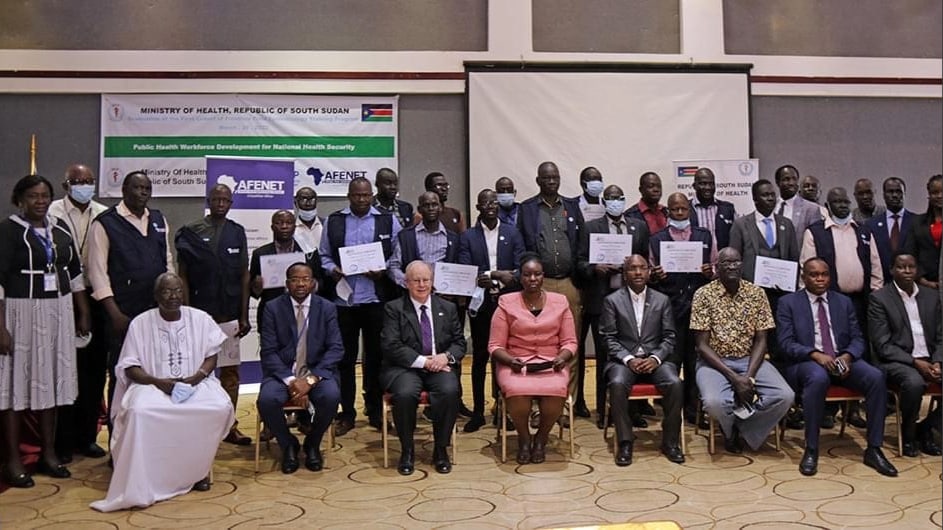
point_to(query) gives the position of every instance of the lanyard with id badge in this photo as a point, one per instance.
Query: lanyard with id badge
(50, 278)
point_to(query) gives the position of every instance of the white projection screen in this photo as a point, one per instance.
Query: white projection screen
(624, 122)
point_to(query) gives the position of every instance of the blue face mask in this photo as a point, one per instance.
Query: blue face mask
(505, 200)
(842, 220)
(181, 392)
(307, 215)
(680, 225)
(594, 188)
(614, 207)
(82, 193)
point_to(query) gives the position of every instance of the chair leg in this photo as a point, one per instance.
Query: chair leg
(384, 436)
(331, 437)
(502, 426)
(572, 428)
(454, 444)
(710, 434)
(776, 435)
(684, 450)
(258, 439)
(900, 433)
(844, 418)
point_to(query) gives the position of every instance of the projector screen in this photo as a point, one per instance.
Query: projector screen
(624, 123)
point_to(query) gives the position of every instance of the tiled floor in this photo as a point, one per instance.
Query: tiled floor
(753, 490)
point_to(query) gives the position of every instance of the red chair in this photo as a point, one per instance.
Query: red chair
(640, 391)
(933, 390)
(385, 435)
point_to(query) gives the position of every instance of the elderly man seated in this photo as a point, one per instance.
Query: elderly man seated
(169, 412)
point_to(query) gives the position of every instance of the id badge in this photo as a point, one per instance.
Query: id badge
(50, 282)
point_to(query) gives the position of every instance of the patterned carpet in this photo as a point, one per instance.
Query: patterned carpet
(755, 490)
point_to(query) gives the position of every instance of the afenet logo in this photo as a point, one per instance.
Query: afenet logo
(252, 186)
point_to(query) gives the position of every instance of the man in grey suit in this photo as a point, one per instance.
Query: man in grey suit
(905, 328)
(763, 232)
(422, 348)
(639, 332)
(791, 205)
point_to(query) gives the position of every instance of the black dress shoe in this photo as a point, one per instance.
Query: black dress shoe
(202, 485)
(313, 460)
(855, 420)
(810, 462)
(406, 465)
(732, 444)
(464, 411)
(928, 446)
(377, 422)
(343, 426)
(235, 437)
(92, 450)
(65, 457)
(624, 454)
(639, 422)
(55, 471)
(910, 449)
(874, 458)
(794, 419)
(23, 480)
(476, 422)
(600, 423)
(673, 453)
(582, 411)
(441, 461)
(645, 408)
(828, 421)
(290, 459)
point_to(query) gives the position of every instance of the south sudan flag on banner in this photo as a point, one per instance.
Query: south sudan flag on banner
(376, 112)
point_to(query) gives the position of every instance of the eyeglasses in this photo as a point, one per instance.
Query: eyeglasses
(302, 280)
(729, 264)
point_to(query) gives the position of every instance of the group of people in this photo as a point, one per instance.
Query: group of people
(867, 316)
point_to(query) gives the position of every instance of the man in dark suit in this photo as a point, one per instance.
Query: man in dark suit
(890, 227)
(601, 279)
(639, 331)
(283, 242)
(904, 324)
(715, 215)
(422, 346)
(300, 349)
(550, 225)
(821, 344)
(387, 183)
(489, 237)
(680, 287)
(507, 203)
(791, 205)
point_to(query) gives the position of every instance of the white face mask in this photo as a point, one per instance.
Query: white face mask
(307, 215)
(82, 193)
(680, 225)
(594, 188)
(614, 207)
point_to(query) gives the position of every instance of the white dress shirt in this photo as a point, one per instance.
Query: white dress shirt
(813, 301)
(761, 225)
(916, 326)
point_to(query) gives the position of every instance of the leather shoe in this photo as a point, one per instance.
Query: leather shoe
(406, 465)
(313, 460)
(93, 450)
(55, 471)
(928, 446)
(600, 422)
(23, 480)
(645, 408)
(639, 422)
(476, 422)
(523, 453)
(202, 485)
(874, 458)
(673, 453)
(343, 426)
(538, 453)
(441, 461)
(465, 411)
(624, 455)
(234, 437)
(828, 421)
(582, 411)
(377, 423)
(290, 459)
(910, 449)
(810, 462)
(732, 444)
(855, 420)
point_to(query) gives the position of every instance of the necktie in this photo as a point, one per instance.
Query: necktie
(619, 230)
(425, 326)
(301, 350)
(825, 329)
(615, 281)
(895, 232)
(770, 237)
(782, 208)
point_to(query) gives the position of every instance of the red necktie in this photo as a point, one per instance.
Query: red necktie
(825, 330)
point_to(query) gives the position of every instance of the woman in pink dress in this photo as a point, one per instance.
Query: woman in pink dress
(532, 339)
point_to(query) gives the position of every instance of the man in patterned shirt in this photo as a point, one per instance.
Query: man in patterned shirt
(744, 393)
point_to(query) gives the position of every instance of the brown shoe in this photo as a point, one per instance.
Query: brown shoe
(236, 437)
(343, 426)
(266, 434)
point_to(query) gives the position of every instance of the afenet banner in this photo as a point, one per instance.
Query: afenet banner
(256, 183)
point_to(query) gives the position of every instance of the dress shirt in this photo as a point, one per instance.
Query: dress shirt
(420, 360)
(431, 246)
(491, 241)
(308, 238)
(813, 302)
(509, 216)
(638, 309)
(305, 307)
(78, 223)
(98, 246)
(761, 225)
(359, 231)
(655, 218)
(850, 271)
(916, 326)
(591, 211)
(789, 206)
(706, 214)
(553, 244)
(890, 222)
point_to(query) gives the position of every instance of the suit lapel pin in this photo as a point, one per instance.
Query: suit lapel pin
(501, 238)
(441, 314)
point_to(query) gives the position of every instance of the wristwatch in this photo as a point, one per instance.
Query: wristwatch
(451, 358)
(752, 381)
(311, 380)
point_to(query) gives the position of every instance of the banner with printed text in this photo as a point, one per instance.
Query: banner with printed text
(733, 179)
(332, 139)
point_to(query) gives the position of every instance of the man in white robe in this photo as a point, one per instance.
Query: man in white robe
(164, 441)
